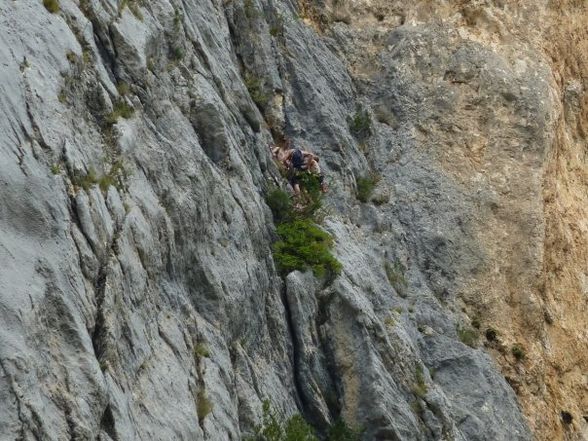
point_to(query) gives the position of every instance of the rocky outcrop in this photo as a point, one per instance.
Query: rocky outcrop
(139, 298)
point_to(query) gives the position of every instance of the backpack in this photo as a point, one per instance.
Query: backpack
(298, 159)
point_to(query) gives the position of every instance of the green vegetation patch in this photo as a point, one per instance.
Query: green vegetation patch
(468, 336)
(518, 352)
(203, 405)
(340, 431)
(51, 5)
(275, 428)
(250, 11)
(85, 181)
(120, 109)
(395, 273)
(113, 177)
(360, 124)
(255, 87)
(365, 187)
(419, 388)
(201, 351)
(280, 204)
(304, 245)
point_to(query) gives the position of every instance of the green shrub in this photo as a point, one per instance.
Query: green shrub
(85, 181)
(468, 336)
(360, 124)
(518, 352)
(71, 57)
(395, 273)
(117, 171)
(119, 109)
(255, 87)
(203, 405)
(123, 88)
(201, 351)
(419, 388)
(280, 204)
(273, 428)
(297, 429)
(56, 169)
(177, 53)
(365, 187)
(250, 10)
(304, 245)
(51, 5)
(311, 195)
(309, 200)
(340, 431)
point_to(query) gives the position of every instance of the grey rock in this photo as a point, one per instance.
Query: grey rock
(106, 295)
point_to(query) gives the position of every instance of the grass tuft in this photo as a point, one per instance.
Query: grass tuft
(204, 405)
(52, 6)
(201, 351)
(120, 109)
(518, 352)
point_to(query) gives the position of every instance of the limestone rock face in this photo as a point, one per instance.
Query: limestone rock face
(139, 299)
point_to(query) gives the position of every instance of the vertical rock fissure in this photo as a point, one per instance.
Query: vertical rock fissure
(300, 400)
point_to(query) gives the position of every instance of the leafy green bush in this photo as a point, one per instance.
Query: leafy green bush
(272, 429)
(360, 124)
(365, 187)
(280, 204)
(304, 245)
(295, 428)
(311, 195)
(51, 5)
(340, 431)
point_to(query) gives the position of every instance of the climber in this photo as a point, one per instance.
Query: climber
(297, 161)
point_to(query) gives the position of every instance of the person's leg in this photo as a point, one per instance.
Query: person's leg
(293, 180)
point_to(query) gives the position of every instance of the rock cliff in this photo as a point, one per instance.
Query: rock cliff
(139, 299)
